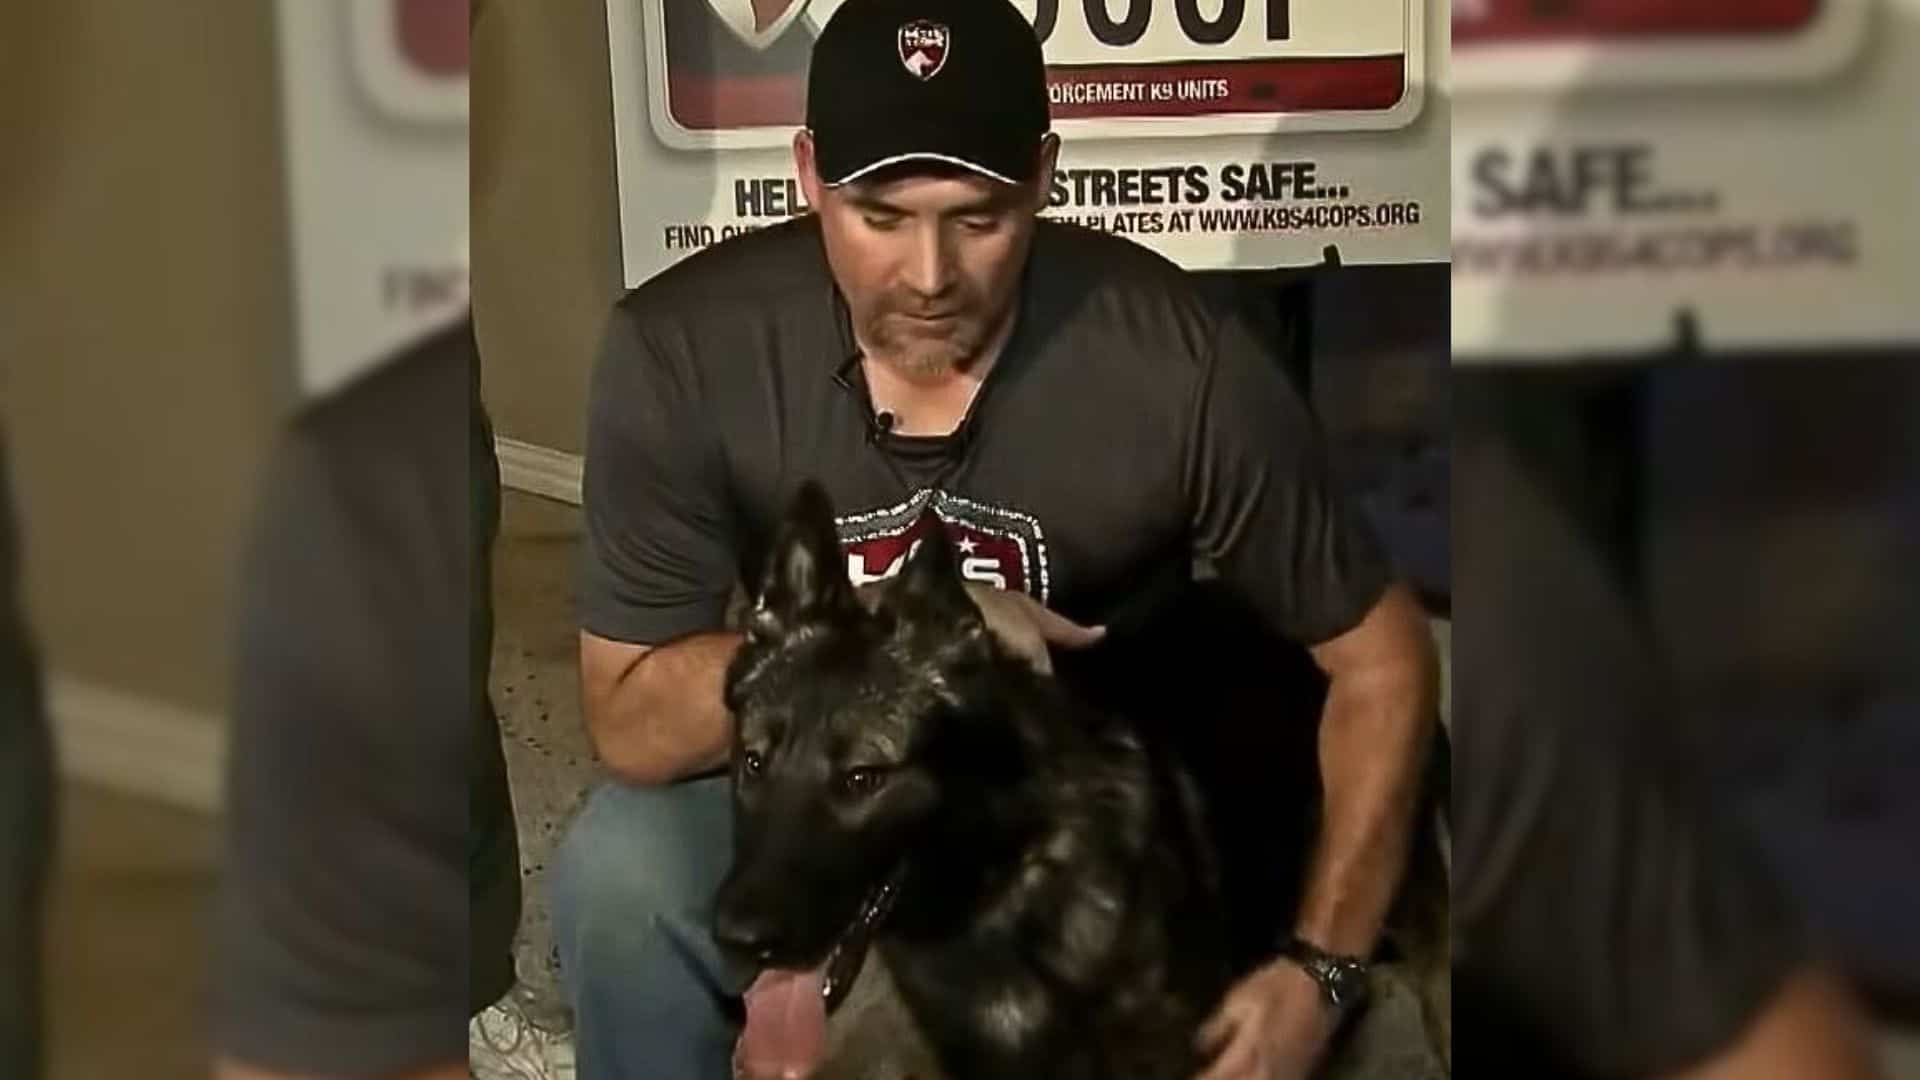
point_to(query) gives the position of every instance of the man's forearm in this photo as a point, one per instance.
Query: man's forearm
(664, 719)
(1811, 1029)
(1374, 735)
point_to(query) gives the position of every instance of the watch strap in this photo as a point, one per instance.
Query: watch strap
(1342, 979)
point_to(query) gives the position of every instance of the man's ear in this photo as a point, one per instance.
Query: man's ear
(806, 578)
(1043, 177)
(807, 168)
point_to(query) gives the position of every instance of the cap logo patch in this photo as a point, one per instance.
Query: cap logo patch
(923, 48)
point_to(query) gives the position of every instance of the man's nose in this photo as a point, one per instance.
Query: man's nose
(930, 270)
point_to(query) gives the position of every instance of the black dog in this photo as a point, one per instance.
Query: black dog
(1034, 882)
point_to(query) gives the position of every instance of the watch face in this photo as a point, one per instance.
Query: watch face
(1349, 984)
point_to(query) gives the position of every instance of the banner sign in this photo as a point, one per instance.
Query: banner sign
(1225, 133)
(1620, 163)
(374, 98)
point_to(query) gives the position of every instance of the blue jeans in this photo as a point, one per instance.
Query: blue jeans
(632, 889)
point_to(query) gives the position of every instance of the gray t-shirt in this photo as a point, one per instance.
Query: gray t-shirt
(1130, 425)
(1607, 922)
(370, 886)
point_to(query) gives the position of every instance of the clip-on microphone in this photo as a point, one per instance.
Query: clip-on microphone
(879, 423)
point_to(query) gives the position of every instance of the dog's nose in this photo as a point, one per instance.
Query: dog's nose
(753, 936)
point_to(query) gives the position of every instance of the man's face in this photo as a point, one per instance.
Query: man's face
(929, 261)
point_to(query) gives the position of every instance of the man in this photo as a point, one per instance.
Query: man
(1064, 400)
(26, 814)
(371, 884)
(1607, 925)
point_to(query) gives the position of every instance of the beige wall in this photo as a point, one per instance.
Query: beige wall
(546, 257)
(143, 324)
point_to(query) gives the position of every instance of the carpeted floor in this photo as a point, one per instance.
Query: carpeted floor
(537, 693)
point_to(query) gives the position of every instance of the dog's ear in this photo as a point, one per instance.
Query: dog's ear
(806, 578)
(931, 591)
(932, 574)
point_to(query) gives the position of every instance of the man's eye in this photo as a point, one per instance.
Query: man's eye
(751, 762)
(863, 781)
(881, 222)
(979, 223)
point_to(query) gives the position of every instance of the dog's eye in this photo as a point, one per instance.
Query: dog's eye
(752, 762)
(862, 781)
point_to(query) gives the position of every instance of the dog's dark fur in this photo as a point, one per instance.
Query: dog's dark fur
(1058, 917)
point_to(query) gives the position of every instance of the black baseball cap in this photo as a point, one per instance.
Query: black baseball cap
(955, 81)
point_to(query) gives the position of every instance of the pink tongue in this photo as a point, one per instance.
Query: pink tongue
(786, 1032)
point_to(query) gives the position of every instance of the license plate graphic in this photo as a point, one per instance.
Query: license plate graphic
(732, 73)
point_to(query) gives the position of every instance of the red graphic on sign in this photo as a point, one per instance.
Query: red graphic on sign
(707, 102)
(714, 83)
(992, 546)
(433, 35)
(1579, 20)
(1230, 86)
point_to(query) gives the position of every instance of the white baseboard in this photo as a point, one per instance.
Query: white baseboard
(539, 470)
(136, 745)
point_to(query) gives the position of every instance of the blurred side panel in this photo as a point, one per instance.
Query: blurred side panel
(374, 101)
(1631, 178)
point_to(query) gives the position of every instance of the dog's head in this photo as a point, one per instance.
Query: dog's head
(855, 714)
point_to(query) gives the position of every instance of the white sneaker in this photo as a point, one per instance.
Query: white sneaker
(502, 1044)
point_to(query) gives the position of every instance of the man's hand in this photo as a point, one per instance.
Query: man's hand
(1026, 628)
(1023, 626)
(1272, 1026)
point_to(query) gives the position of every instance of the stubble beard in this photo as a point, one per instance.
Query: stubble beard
(923, 355)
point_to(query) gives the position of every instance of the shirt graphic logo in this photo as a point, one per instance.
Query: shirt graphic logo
(923, 48)
(1002, 548)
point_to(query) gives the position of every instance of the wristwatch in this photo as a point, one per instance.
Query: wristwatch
(1343, 979)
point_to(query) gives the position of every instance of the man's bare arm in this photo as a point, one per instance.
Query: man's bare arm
(1375, 731)
(655, 714)
(1811, 1029)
